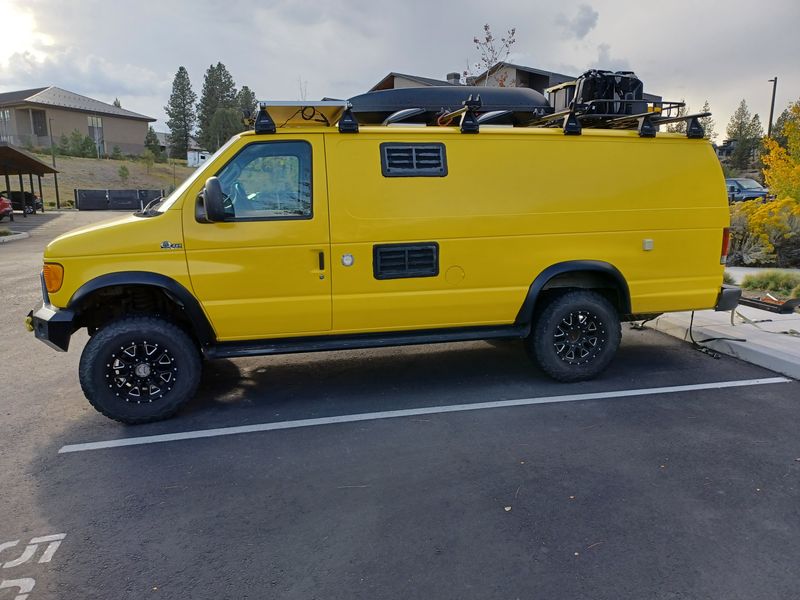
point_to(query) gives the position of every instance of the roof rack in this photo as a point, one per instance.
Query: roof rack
(471, 107)
(274, 114)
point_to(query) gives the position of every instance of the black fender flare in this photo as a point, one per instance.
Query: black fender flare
(572, 266)
(177, 292)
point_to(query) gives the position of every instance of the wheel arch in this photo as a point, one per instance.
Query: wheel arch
(583, 274)
(178, 297)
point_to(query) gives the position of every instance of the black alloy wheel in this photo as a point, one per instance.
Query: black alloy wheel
(575, 336)
(139, 369)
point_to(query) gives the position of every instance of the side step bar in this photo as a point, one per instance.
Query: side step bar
(325, 343)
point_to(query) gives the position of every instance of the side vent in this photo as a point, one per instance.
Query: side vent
(413, 160)
(400, 261)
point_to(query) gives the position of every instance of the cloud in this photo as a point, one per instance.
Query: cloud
(581, 24)
(84, 73)
(605, 60)
(343, 48)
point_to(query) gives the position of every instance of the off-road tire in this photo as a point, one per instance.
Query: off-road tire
(121, 385)
(575, 336)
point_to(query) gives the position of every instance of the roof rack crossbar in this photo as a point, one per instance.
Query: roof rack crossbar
(665, 120)
(493, 115)
(402, 115)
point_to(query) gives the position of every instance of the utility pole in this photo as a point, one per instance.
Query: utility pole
(53, 154)
(774, 83)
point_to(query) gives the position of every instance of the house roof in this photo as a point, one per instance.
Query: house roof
(19, 96)
(61, 98)
(421, 80)
(16, 161)
(552, 74)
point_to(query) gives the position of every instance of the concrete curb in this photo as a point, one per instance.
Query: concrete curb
(763, 352)
(15, 236)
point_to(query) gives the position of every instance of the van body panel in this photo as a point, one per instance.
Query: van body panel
(120, 244)
(513, 202)
(512, 205)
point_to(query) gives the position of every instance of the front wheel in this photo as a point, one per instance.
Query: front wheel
(575, 336)
(139, 369)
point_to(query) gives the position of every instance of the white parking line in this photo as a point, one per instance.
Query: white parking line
(410, 412)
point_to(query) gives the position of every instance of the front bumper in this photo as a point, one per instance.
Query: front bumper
(728, 297)
(54, 326)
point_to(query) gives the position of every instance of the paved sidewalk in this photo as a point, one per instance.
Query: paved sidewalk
(757, 336)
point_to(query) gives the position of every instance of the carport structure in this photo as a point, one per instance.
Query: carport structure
(17, 162)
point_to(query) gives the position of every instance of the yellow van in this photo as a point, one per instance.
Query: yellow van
(329, 227)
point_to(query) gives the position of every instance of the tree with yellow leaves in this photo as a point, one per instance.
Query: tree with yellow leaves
(769, 232)
(782, 164)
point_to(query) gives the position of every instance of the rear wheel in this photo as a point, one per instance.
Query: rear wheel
(139, 369)
(575, 336)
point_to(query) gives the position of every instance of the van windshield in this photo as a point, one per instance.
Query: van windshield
(167, 203)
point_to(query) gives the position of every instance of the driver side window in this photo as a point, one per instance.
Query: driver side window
(268, 180)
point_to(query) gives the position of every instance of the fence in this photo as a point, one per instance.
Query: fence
(115, 199)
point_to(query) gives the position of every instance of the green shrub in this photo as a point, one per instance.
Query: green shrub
(123, 173)
(795, 292)
(4, 231)
(785, 284)
(728, 278)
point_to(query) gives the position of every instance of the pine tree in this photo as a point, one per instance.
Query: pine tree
(246, 100)
(151, 141)
(225, 123)
(219, 92)
(708, 122)
(746, 129)
(778, 133)
(180, 111)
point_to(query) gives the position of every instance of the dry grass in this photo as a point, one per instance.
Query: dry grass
(91, 173)
(786, 285)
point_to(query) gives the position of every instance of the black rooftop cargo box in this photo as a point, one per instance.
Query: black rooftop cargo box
(523, 104)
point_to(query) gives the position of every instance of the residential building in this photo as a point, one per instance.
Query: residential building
(163, 142)
(34, 117)
(502, 74)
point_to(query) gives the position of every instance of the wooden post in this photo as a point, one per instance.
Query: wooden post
(8, 189)
(22, 191)
(33, 193)
(41, 195)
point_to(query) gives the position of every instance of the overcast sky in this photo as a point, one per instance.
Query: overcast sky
(720, 50)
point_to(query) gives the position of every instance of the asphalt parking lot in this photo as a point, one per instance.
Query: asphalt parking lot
(653, 481)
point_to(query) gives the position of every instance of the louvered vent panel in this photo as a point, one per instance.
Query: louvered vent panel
(398, 261)
(413, 160)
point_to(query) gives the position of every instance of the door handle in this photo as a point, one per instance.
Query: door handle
(321, 261)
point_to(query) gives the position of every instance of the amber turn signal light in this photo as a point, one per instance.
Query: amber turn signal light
(53, 276)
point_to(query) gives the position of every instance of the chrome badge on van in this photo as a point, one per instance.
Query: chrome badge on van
(165, 245)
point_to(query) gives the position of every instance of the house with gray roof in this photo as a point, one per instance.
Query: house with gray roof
(502, 74)
(34, 117)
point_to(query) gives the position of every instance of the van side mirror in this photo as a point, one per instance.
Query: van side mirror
(211, 200)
